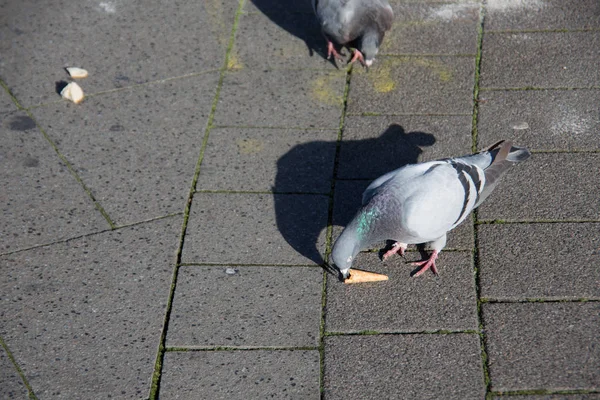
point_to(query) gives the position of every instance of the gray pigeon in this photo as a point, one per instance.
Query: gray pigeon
(419, 203)
(347, 20)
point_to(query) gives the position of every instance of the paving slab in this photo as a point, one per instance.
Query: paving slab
(347, 201)
(375, 145)
(395, 85)
(542, 345)
(281, 160)
(119, 43)
(432, 29)
(404, 303)
(256, 374)
(83, 318)
(540, 59)
(541, 119)
(135, 149)
(589, 396)
(250, 228)
(236, 306)
(11, 384)
(546, 14)
(41, 201)
(548, 186)
(403, 366)
(550, 261)
(281, 98)
(279, 40)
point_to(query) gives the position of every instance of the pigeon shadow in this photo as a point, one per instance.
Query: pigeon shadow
(296, 17)
(308, 168)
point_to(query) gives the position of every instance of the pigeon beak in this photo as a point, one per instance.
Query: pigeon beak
(368, 63)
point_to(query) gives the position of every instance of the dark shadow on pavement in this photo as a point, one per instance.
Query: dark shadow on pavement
(297, 18)
(360, 161)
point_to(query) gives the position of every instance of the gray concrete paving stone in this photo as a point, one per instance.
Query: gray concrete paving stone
(278, 6)
(83, 318)
(373, 146)
(119, 43)
(281, 160)
(281, 98)
(404, 303)
(241, 375)
(542, 345)
(236, 306)
(135, 149)
(546, 14)
(540, 59)
(540, 119)
(403, 366)
(347, 201)
(256, 229)
(548, 186)
(588, 396)
(396, 85)
(279, 40)
(11, 384)
(41, 201)
(550, 261)
(432, 29)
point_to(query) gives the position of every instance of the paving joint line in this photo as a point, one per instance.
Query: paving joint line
(475, 260)
(11, 95)
(156, 376)
(329, 233)
(403, 333)
(20, 372)
(534, 88)
(175, 349)
(243, 265)
(37, 246)
(487, 300)
(557, 30)
(526, 392)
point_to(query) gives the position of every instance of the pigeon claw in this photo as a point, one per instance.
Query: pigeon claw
(358, 56)
(397, 247)
(332, 51)
(427, 264)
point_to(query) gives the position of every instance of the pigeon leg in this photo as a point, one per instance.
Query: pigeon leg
(331, 50)
(358, 56)
(396, 248)
(427, 264)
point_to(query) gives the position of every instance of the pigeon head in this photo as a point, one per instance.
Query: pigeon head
(369, 47)
(343, 253)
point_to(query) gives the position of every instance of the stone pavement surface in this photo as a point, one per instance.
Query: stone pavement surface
(164, 239)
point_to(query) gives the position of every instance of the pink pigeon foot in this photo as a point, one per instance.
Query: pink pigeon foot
(396, 248)
(331, 50)
(358, 56)
(427, 264)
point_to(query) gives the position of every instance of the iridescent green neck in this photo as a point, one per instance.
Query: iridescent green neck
(365, 220)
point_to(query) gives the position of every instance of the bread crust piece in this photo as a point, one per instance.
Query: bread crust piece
(73, 92)
(77, 73)
(358, 276)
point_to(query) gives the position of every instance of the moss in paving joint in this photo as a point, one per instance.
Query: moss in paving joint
(214, 264)
(11, 95)
(31, 394)
(559, 30)
(526, 88)
(155, 387)
(526, 392)
(178, 349)
(538, 300)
